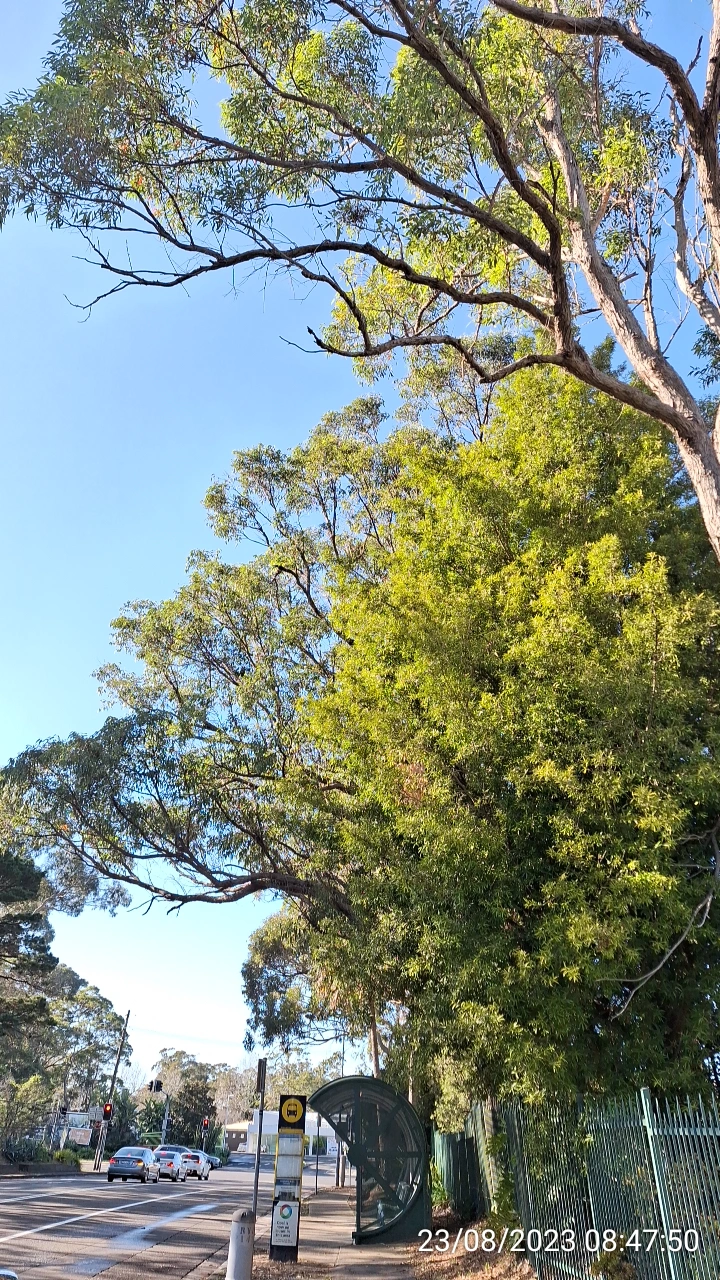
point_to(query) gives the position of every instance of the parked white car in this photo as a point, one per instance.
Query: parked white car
(198, 1164)
(172, 1164)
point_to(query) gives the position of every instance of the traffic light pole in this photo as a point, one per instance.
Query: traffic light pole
(100, 1149)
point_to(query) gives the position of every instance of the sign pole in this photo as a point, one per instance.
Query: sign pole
(260, 1088)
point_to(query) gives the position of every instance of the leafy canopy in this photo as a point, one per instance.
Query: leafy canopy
(461, 713)
(470, 180)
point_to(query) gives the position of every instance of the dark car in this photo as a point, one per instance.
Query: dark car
(134, 1162)
(214, 1161)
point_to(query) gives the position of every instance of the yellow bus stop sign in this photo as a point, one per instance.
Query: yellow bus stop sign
(292, 1112)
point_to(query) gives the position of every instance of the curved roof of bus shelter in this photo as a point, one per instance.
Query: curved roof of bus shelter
(337, 1102)
(340, 1095)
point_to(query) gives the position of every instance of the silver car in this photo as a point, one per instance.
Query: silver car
(172, 1164)
(134, 1162)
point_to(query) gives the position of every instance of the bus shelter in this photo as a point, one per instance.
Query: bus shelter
(386, 1145)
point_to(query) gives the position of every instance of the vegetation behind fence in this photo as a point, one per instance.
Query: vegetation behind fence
(635, 1169)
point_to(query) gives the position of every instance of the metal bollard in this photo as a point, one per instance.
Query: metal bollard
(242, 1243)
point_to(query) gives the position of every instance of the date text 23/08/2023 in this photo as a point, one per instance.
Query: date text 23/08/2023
(516, 1240)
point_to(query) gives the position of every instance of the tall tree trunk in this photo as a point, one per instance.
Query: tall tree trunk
(374, 1047)
(703, 468)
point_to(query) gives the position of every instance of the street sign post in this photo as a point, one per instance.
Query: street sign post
(260, 1088)
(285, 1226)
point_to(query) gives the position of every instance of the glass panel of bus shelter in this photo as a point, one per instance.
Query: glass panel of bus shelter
(386, 1143)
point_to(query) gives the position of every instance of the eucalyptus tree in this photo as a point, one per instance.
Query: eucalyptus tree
(470, 180)
(461, 714)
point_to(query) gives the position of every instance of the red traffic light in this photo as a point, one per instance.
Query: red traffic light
(108, 1111)
(206, 1124)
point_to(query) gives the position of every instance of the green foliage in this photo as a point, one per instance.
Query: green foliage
(22, 1105)
(149, 1115)
(193, 1101)
(125, 1122)
(26, 961)
(67, 1156)
(438, 1194)
(615, 1265)
(707, 348)
(503, 1213)
(422, 147)
(298, 1075)
(85, 1039)
(58, 1035)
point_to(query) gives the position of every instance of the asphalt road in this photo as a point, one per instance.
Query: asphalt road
(57, 1228)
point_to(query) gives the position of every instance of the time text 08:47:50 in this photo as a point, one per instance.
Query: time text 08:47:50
(516, 1240)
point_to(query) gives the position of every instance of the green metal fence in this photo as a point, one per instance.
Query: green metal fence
(638, 1168)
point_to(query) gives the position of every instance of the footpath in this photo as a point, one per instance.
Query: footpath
(326, 1248)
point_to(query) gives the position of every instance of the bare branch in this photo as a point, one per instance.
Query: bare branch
(610, 28)
(697, 919)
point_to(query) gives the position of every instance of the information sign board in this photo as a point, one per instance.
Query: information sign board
(80, 1136)
(77, 1119)
(285, 1224)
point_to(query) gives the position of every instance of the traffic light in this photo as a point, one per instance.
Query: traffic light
(155, 1086)
(108, 1112)
(206, 1123)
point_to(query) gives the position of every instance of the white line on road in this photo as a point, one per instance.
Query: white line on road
(96, 1213)
(97, 1188)
(69, 1191)
(135, 1241)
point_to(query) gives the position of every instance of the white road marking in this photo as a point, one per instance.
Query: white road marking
(136, 1240)
(44, 1195)
(96, 1213)
(97, 1188)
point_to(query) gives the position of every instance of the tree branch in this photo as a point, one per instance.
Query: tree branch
(697, 919)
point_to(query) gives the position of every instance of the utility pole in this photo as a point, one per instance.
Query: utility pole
(260, 1088)
(104, 1126)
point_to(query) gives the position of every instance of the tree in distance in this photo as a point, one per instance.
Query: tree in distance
(461, 713)
(472, 182)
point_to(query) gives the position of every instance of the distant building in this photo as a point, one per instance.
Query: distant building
(242, 1135)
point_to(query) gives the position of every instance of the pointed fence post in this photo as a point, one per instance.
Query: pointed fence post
(658, 1168)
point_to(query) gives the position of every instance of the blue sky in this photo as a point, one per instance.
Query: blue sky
(111, 431)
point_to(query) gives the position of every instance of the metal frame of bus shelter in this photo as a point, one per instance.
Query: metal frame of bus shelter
(387, 1145)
